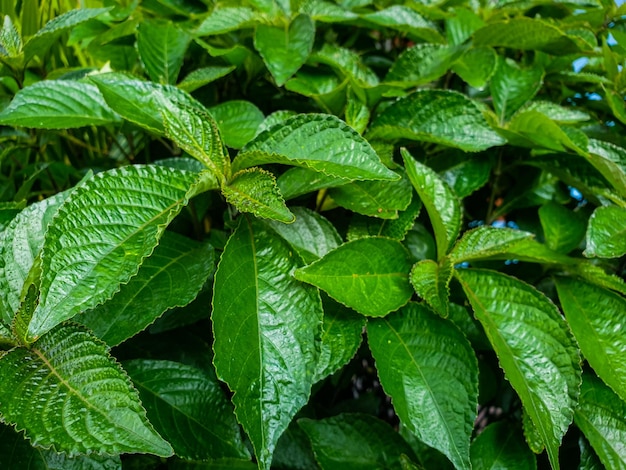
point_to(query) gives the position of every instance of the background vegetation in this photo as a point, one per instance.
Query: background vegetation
(312, 234)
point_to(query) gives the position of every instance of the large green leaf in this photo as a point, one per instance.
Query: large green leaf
(422, 63)
(298, 181)
(68, 392)
(600, 415)
(406, 20)
(285, 49)
(161, 46)
(512, 86)
(269, 359)
(223, 20)
(170, 277)
(355, 442)
(606, 233)
(476, 66)
(254, 190)
(189, 408)
(610, 160)
(501, 446)
(534, 347)
(431, 280)
(595, 316)
(100, 236)
(430, 371)
(461, 26)
(444, 208)
(439, 116)
(58, 104)
(563, 229)
(369, 275)
(238, 121)
(321, 142)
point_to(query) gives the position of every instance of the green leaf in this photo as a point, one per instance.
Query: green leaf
(444, 209)
(381, 199)
(354, 442)
(422, 64)
(224, 20)
(431, 280)
(534, 347)
(10, 39)
(501, 445)
(461, 26)
(369, 275)
(16, 452)
(327, 12)
(238, 121)
(526, 34)
(361, 226)
(348, 63)
(269, 360)
(342, 331)
(170, 277)
(588, 458)
(357, 113)
(58, 104)
(595, 317)
(162, 46)
(606, 233)
(439, 116)
(68, 392)
(513, 86)
(476, 66)
(285, 49)
(563, 229)
(203, 76)
(311, 235)
(598, 276)
(254, 190)
(610, 161)
(600, 416)
(430, 371)
(406, 20)
(318, 141)
(45, 37)
(189, 408)
(298, 181)
(101, 234)
(558, 113)
(467, 174)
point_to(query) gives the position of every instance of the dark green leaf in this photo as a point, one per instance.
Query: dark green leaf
(404, 19)
(476, 66)
(361, 226)
(203, 76)
(298, 181)
(513, 86)
(269, 359)
(421, 64)
(502, 446)
(430, 280)
(467, 175)
(606, 233)
(348, 64)
(238, 121)
(562, 228)
(10, 39)
(461, 26)
(223, 20)
(430, 371)
(162, 46)
(610, 161)
(588, 458)
(369, 275)
(534, 346)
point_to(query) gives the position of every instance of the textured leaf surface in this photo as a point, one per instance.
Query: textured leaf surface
(369, 275)
(188, 408)
(403, 18)
(430, 280)
(223, 20)
(238, 121)
(443, 117)
(354, 442)
(534, 348)
(562, 228)
(595, 316)
(429, 369)
(161, 46)
(601, 417)
(170, 277)
(285, 49)
(203, 76)
(512, 86)
(58, 104)
(444, 209)
(69, 374)
(318, 141)
(348, 63)
(298, 181)
(476, 66)
(606, 233)
(101, 235)
(254, 190)
(268, 360)
(501, 446)
(422, 63)
(466, 175)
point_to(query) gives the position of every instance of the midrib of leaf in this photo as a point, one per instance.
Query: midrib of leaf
(77, 394)
(493, 333)
(430, 391)
(208, 160)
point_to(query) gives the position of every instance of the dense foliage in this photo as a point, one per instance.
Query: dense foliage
(312, 234)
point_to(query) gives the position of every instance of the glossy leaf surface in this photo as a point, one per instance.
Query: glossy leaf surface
(429, 369)
(161, 46)
(606, 233)
(512, 86)
(562, 228)
(430, 280)
(238, 121)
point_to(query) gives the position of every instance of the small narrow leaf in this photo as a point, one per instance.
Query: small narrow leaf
(512, 86)
(238, 121)
(595, 316)
(161, 46)
(254, 190)
(606, 233)
(430, 371)
(501, 445)
(601, 417)
(534, 347)
(170, 277)
(369, 275)
(203, 76)
(189, 408)
(431, 280)
(269, 359)
(439, 116)
(58, 104)
(444, 209)
(562, 228)
(102, 233)
(285, 49)
(318, 141)
(68, 392)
